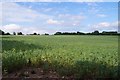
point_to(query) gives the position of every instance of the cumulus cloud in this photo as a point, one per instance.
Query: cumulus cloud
(105, 26)
(51, 21)
(101, 15)
(11, 28)
(26, 30)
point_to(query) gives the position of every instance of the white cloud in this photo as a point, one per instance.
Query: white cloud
(66, 20)
(101, 15)
(11, 28)
(13, 12)
(93, 7)
(91, 4)
(71, 20)
(51, 21)
(26, 30)
(105, 26)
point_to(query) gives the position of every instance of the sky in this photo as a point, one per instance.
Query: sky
(51, 17)
(60, 0)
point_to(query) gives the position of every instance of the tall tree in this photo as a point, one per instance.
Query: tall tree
(14, 33)
(2, 32)
(7, 33)
(19, 33)
(95, 32)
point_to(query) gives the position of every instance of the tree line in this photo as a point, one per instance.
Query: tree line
(96, 32)
(18, 33)
(4, 33)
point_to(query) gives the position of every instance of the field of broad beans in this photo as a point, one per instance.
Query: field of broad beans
(78, 56)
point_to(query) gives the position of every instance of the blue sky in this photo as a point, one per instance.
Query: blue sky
(60, 0)
(50, 17)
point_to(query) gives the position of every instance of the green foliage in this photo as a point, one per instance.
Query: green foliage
(12, 61)
(81, 56)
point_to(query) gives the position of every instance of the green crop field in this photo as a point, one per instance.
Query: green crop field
(80, 56)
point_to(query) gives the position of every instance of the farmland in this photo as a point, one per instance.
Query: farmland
(78, 56)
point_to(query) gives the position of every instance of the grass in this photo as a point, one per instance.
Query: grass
(80, 56)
